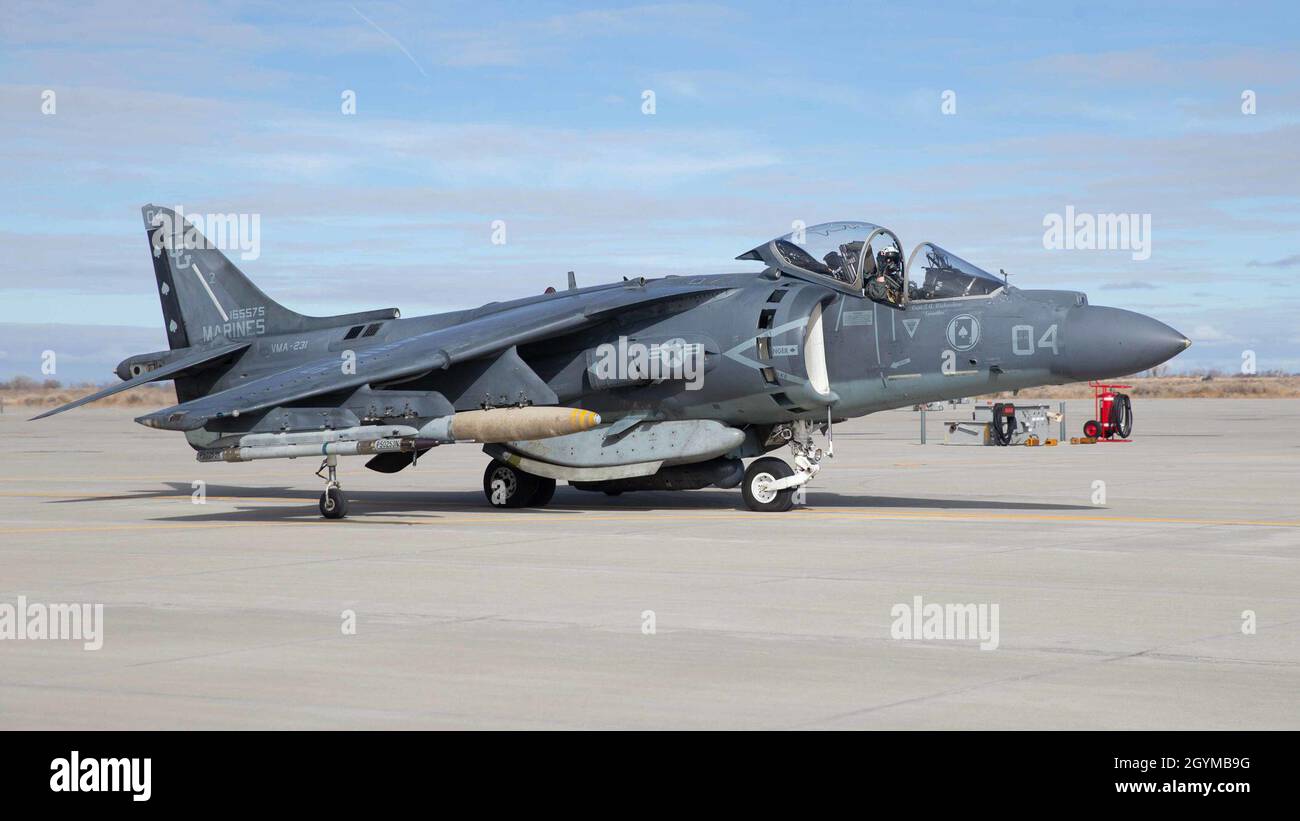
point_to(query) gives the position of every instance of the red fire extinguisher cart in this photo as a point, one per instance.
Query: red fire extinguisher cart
(1112, 419)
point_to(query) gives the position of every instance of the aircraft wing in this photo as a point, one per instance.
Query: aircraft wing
(172, 368)
(414, 355)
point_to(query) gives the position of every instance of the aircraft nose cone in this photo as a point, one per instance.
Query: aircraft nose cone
(1109, 342)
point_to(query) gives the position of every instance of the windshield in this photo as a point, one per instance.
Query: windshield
(934, 273)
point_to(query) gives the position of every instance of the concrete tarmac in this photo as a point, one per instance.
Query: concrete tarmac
(1117, 614)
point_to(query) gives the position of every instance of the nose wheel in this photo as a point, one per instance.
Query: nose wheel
(333, 504)
(760, 486)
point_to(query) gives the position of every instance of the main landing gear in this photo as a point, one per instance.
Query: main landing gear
(505, 485)
(769, 484)
(333, 504)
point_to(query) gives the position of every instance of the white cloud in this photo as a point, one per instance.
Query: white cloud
(1209, 335)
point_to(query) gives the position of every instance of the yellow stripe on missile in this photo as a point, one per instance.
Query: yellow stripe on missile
(580, 419)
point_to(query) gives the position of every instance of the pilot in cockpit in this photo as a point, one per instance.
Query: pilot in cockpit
(885, 276)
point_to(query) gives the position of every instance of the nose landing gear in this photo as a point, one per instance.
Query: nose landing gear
(333, 504)
(770, 483)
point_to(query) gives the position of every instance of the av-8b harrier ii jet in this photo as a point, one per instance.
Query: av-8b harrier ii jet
(663, 384)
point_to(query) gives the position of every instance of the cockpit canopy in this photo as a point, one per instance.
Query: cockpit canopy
(934, 273)
(844, 252)
(863, 258)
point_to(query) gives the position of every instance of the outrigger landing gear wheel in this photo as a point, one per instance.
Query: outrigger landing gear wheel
(1092, 429)
(760, 474)
(333, 504)
(505, 485)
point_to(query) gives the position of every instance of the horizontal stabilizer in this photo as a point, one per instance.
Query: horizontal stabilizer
(171, 369)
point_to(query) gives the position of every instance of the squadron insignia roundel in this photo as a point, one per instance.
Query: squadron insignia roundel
(963, 332)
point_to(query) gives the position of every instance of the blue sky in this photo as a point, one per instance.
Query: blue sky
(531, 113)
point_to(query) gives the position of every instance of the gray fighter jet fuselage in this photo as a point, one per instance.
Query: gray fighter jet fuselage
(642, 384)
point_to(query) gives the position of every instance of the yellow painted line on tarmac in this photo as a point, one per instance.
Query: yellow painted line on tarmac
(568, 515)
(559, 514)
(488, 517)
(100, 528)
(483, 518)
(82, 480)
(432, 506)
(870, 513)
(148, 497)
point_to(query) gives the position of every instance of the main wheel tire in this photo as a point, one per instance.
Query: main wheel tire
(1092, 429)
(333, 504)
(757, 476)
(544, 492)
(505, 485)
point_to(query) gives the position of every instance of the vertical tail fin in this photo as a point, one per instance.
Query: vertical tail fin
(205, 298)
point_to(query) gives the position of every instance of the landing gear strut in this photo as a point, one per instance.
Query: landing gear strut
(770, 483)
(333, 504)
